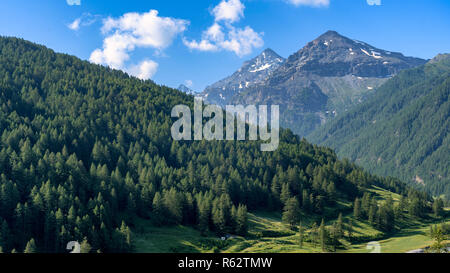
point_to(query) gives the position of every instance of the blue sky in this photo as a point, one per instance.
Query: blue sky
(199, 42)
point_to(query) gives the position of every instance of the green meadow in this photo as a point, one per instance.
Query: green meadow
(268, 234)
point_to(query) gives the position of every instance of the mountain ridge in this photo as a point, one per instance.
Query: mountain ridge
(183, 88)
(250, 73)
(324, 79)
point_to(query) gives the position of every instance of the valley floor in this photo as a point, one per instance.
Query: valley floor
(267, 234)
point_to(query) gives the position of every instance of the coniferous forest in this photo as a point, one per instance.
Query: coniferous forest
(86, 150)
(407, 125)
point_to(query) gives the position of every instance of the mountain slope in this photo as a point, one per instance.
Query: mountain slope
(251, 73)
(86, 152)
(402, 130)
(183, 88)
(324, 79)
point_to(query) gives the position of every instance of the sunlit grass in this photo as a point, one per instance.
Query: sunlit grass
(267, 234)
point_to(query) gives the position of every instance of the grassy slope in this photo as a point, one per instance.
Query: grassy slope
(267, 234)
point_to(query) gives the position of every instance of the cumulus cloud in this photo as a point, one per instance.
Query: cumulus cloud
(374, 2)
(188, 83)
(313, 3)
(231, 11)
(115, 50)
(144, 70)
(136, 30)
(73, 2)
(149, 29)
(242, 41)
(225, 36)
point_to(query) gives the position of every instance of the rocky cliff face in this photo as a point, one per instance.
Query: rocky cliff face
(250, 74)
(324, 79)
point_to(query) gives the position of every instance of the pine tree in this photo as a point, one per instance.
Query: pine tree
(372, 214)
(314, 234)
(335, 236)
(306, 206)
(158, 210)
(85, 246)
(285, 194)
(301, 233)
(5, 237)
(350, 228)
(357, 209)
(204, 212)
(241, 220)
(340, 227)
(31, 247)
(323, 235)
(438, 207)
(291, 214)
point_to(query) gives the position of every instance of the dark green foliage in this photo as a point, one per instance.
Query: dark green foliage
(323, 236)
(291, 214)
(31, 247)
(402, 130)
(438, 207)
(85, 150)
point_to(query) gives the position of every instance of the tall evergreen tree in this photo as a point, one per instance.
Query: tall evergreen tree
(291, 214)
(30, 247)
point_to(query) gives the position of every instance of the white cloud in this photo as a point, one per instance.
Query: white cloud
(231, 11)
(214, 33)
(241, 41)
(374, 2)
(203, 45)
(75, 25)
(149, 29)
(115, 50)
(136, 30)
(188, 83)
(313, 3)
(237, 40)
(145, 70)
(73, 2)
(86, 19)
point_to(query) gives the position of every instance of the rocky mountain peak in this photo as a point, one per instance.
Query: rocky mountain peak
(334, 55)
(250, 74)
(267, 60)
(187, 90)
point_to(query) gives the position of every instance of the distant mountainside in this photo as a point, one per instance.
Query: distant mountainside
(183, 88)
(402, 130)
(251, 73)
(322, 80)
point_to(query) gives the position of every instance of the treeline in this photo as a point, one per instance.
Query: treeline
(383, 215)
(85, 150)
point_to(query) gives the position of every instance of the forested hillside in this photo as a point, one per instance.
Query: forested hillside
(402, 130)
(86, 150)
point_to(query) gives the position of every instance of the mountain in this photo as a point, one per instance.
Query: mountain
(402, 130)
(251, 73)
(86, 154)
(183, 88)
(324, 79)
